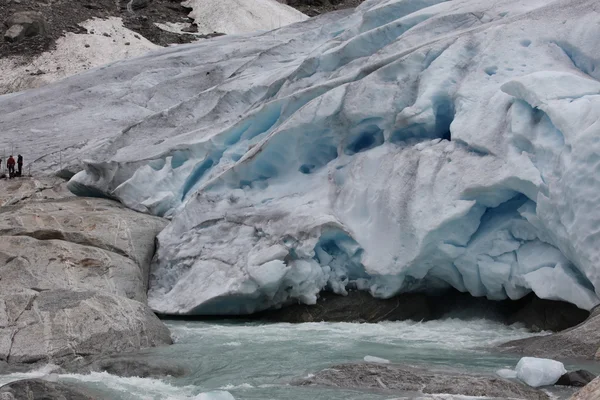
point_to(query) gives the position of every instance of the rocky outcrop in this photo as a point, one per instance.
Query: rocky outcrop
(357, 306)
(396, 378)
(24, 24)
(581, 341)
(590, 392)
(99, 223)
(73, 275)
(59, 264)
(59, 325)
(39, 389)
(577, 378)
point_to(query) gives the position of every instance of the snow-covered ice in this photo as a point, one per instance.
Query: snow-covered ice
(538, 372)
(410, 145)
(241, 16)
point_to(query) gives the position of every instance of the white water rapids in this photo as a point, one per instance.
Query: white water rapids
(258, 361)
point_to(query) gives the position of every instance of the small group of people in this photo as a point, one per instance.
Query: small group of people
(10, 164)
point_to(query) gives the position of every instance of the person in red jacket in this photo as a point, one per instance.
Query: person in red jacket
(10, 163)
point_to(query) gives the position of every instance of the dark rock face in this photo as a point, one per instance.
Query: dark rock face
(396, 378)
(25, 24)
(359, 306)
(547, 315)
(577, 378)
(581, 341)
(42, 390)
(356, 307)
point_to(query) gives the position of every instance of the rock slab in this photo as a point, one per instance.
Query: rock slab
(39, 389)
(396, 378)
(61, 324)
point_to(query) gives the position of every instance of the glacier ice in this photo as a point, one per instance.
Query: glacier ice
(377, 360)
(408, 145)
(538, 372)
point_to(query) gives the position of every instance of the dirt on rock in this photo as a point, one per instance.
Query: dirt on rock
(315, 7)
(64, 16)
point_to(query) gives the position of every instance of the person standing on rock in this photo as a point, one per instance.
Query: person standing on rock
(20, 164)
(10, 163)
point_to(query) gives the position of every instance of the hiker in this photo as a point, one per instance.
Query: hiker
(20, 164)
(10, 163)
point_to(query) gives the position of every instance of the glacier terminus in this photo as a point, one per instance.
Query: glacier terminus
(405, 146)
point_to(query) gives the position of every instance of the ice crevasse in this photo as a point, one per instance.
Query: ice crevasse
(408, 145)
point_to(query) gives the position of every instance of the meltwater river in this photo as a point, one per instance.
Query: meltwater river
(246, 361)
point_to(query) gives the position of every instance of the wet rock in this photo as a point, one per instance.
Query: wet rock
(591, 391)
(581, 341)
(126, 365)
(577, 378)
(358, 306)
(39, 389)
(25, 24)
(547, 315)
(58, 325)
(396, 378)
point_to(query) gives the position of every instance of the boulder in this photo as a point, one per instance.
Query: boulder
(581, 341)
(39, 389)
(59, 325)
(357, 306)
(578, 378)
(24, 24)
(400, 379)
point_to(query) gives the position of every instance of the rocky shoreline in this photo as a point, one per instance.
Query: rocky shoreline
(73, 275)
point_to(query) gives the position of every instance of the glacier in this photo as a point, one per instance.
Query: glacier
(407, 145)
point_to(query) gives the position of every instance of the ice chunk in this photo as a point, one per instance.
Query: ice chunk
(538, 372)
(507, 373)
(373, 359)
(215, 395)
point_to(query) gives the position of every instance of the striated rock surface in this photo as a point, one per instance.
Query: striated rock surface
(100, 223)
(62, 324)
(396, 378)
(73, 275)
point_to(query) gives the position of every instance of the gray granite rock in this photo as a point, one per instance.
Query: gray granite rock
(100, 223)
(44, 265)
(396, 378)
(591, 391)
(63, 324)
